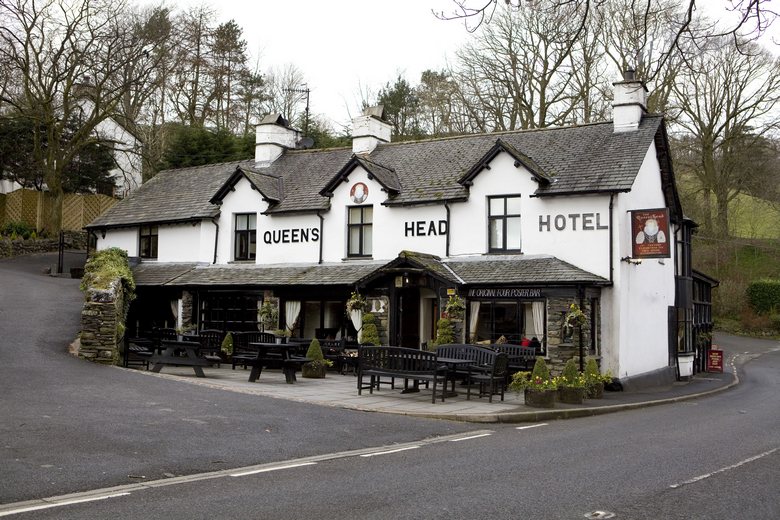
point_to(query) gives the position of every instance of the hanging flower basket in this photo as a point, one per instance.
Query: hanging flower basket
(356, 302)
(455, 308)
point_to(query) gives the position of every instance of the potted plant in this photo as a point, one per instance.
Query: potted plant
(571, 384)
(281, 334)
(538, 387)
(594, 381)
(269, 315)
(370, 334)
(445, 332)
(318, 366)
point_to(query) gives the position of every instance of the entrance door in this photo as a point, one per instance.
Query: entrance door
(409, 307)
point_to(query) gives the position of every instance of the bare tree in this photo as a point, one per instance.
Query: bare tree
(70, 57)
(284, 86)
(745, 20)
(729, 111)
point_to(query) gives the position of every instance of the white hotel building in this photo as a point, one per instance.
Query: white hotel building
(520, 224)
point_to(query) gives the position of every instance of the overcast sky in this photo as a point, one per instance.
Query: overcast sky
(342, 46)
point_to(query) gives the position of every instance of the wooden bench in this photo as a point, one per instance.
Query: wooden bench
(520, 358)
(406, 363)
(242, 353)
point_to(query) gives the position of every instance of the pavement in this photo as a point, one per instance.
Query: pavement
(340, 391)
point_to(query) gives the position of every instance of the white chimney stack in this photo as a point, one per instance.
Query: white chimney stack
(369, 129)
(272, 137)
(630, 102)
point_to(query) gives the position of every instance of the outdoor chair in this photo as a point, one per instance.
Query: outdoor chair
(211, 345)
(493, 381)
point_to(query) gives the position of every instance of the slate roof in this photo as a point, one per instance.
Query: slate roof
(578, 159)
(155, 274)
(521, 269)
(279, 275)
(171, 196)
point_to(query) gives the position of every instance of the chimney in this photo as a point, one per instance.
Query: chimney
(370, 129)
(272, 137)
(630, 102)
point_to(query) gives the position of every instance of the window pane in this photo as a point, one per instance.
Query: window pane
(153, 253)
(513, 236)
(252, 244)
(496, 233)
(513, 205)
(354, 215)
(367, 239)
(496, 206)
(252, 221)
(240, 222)
(506, 321)
(368, 215)
(354, 241)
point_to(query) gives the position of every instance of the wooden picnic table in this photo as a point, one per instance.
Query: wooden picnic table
(182, 352)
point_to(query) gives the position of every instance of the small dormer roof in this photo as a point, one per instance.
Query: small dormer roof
(385, 176)
(268, 185)
(520, 158)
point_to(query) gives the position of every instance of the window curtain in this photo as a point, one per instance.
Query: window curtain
(537, 309)
(473, 321)
(175, 312)
(291, 311)
(357, 321)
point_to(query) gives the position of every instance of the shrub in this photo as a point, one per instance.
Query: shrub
(227, 344)
(764, 295)
(370, 334)
(18, 229)
(106, 266)
(538, 379)
(315, 351)
(445, 332)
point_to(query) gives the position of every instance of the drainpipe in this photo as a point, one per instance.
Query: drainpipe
(322, 220)
(216, 238)
(447, 239)
(611, 237)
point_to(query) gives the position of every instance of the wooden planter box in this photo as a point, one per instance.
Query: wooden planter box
(311, 371)
(571, 395)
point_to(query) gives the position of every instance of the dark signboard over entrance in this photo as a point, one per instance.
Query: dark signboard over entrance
(650, 233)
(505, 292)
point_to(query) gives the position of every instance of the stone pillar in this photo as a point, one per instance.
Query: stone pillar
(379, 306)
(187, 300)
(102, 325)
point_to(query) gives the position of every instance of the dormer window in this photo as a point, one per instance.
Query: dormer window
(504, 223)
(245, 236)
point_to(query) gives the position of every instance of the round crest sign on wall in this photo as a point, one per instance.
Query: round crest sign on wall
(358, 193)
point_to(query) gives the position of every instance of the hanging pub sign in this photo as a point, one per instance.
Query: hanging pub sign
(650, 233)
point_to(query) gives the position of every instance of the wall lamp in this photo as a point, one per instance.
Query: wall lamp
(629, 260)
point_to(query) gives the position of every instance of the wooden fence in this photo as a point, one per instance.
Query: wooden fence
(32, 208)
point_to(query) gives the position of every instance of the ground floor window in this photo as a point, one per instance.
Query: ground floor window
(517, 321)
(230, 312)
(324, 319)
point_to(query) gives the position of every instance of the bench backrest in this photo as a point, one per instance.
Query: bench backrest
(516, 351)
(478, 354)
(407, 360)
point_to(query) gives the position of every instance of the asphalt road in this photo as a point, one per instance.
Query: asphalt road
(68, 425)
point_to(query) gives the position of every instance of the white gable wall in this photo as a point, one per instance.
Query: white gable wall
(635, 310)
(188, 242)
(243, 199)
(288, 239)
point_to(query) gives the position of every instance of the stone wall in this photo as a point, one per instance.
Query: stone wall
(380, 307)
(18, 247)
(560, 349)
(102, 325)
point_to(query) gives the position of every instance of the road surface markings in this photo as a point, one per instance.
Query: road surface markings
(531, 426)
(127, 489)
(276, 468)
(471, 437)
(388, 452)
(722, 470)
(59, 503)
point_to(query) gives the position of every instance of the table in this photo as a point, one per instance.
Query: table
(190, 356)
(275, 352)
(454, 363)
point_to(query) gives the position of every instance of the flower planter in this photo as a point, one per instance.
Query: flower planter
(595, 391)
(314, 371)
(571, 394)
(540, 398)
